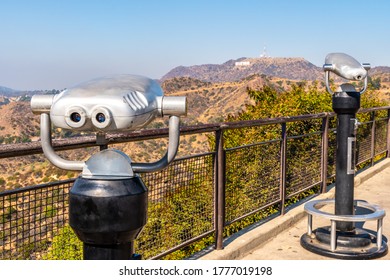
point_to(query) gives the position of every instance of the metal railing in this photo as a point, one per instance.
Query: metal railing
(199, 198)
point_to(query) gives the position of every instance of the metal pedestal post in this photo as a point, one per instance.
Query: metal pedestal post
(107, 216)
(345, 105)
(108, 252)
(342, 239)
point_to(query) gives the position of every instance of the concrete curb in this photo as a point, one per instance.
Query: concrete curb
(244, 243)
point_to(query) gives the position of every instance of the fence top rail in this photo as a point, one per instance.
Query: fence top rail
(25, 149)
(366, 110)
(35, 187)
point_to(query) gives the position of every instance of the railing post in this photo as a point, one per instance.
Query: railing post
(219, 208)
(388, 133)
(372, 137)
(283, 152)
(324, 153)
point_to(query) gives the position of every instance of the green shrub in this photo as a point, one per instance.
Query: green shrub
(65, 246)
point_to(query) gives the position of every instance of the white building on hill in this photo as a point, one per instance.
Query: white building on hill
(242, 63)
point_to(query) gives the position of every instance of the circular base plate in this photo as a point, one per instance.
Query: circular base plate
(358, 245)
(355, 239)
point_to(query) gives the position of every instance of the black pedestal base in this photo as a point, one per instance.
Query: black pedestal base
(109, 252)
(357, 245)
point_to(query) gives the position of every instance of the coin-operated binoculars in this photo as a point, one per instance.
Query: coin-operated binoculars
(108, 201)
(342, 239)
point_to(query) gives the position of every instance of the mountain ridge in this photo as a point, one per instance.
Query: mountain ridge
(7, 91)
(292, 68)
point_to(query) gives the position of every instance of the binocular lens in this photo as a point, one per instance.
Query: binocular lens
(100, 117)
(75, 117)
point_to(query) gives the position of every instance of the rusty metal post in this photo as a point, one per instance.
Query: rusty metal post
(220, 169)
(373, 138)
(283, 154)
(324, 153)
(388, 133)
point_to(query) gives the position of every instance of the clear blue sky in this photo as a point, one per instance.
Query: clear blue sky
(57, 44)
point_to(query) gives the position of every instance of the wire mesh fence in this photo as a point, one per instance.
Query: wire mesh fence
(30, 217)
(180, 205)
(187, 198)
(380, 143)
(252, 178)
(363, 147)
(304, 155)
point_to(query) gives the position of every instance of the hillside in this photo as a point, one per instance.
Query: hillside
(7, 91)
(211, 102)
(379, 70)
(17, 122)
(12, 93)
(235, 70)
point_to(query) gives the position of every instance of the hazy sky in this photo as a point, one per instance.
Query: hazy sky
(57, 44)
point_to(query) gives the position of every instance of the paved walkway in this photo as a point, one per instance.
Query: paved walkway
(279, 239)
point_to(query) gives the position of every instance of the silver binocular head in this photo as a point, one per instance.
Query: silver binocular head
(346, 67)
(124, 102)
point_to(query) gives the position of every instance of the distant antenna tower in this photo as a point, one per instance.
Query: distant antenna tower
(264, 53)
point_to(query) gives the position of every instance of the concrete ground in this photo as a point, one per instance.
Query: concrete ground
(279, 239)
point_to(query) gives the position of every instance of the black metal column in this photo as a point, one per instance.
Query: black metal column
(108, 252)
(107, 216)
(345, 105)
